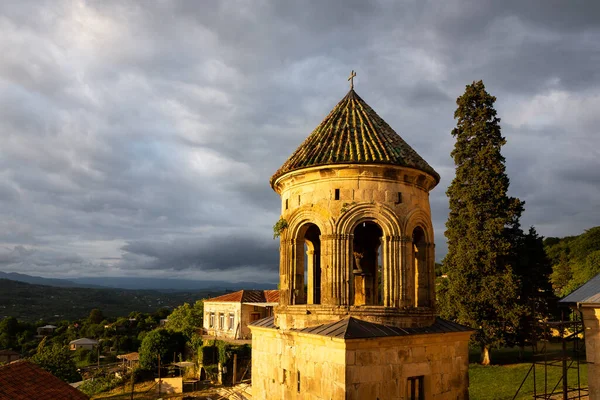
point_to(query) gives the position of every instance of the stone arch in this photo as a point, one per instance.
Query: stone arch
(313, 215)
(381, 214)
(302, 272)
(420, 218)
(420, 265)
(388, 276)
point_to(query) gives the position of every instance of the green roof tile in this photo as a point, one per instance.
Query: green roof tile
(353, 133)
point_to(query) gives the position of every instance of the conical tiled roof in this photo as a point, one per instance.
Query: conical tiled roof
(353, 133)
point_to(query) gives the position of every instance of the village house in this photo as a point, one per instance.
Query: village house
(586, 300)
(23, 380)
(83, 343)
(228, 316)
(46, 330)
(356, 317)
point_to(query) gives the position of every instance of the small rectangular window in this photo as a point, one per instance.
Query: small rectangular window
(211, 322)
(298, 381)
(399, 197)
(286, 204)
(298, 199)
(416, 391)
(337, 194)
(221, 321)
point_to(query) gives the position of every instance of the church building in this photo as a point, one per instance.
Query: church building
(356, 317)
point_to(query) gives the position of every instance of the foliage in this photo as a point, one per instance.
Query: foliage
(536, 297)
(224, 352)
(99, 384)
(482, 288)
(575, 260)
(95, 316)
(279, 227)
(57, 360)
(161, 342)
(186, 318)
(85, 356)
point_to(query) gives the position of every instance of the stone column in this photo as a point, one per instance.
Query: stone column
(431, 271)
(392, 278)
(298, 295)
(285, 248)
(333, 261)
(310, 271)
(406, 272)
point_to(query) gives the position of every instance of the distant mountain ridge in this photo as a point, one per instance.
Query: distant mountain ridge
(136, 283)
(33, 302)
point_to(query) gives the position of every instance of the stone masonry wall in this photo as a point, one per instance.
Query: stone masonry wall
(379, 368)
(277, 358)
(336, 369)
(591, 322)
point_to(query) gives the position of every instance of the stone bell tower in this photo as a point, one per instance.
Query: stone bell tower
(357, 272)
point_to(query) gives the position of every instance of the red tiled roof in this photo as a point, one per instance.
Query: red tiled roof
(23, 380)
(353, 133)
(272, 296)
(249, 296)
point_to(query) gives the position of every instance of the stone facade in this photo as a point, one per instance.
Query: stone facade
(356, 317)
(393, 199)
(223, 313)
(338, 369)
(228, 316)
(591, 322)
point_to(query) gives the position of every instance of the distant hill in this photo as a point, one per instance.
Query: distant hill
(38, 280)
(31, 302)
(137, 283)
(170, 284)
(575, 260)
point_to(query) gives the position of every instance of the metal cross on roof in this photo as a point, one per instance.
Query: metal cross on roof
(351, 79)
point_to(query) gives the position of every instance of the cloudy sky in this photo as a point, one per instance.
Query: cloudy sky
(138, 138)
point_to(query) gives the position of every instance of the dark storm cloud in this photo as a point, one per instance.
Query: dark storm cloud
(224, 252)
(141, 136)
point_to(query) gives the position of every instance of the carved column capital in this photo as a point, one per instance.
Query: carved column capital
(405, 239)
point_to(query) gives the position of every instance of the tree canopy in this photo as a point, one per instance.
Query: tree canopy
(186, 318)
(575, 260)
(57, 360)
(161, 342)
(482, 287)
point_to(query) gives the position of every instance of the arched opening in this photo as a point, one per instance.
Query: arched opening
(419, 260)
(368, 285)
(307, 282)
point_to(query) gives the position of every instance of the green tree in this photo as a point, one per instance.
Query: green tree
(482, 288)
(536, 297)
(95, 316)
(186, 318)
(161, 342)
(57, 360)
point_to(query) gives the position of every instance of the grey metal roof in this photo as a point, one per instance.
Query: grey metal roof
(589, 293)
(268, 322)
(354, 328)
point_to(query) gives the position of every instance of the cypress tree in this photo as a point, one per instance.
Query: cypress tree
(482, 287)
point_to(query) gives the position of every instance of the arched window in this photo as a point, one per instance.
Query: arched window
(307, 280)
(420, 269)
(368, 285)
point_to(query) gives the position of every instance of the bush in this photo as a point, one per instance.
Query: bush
(100, 384)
